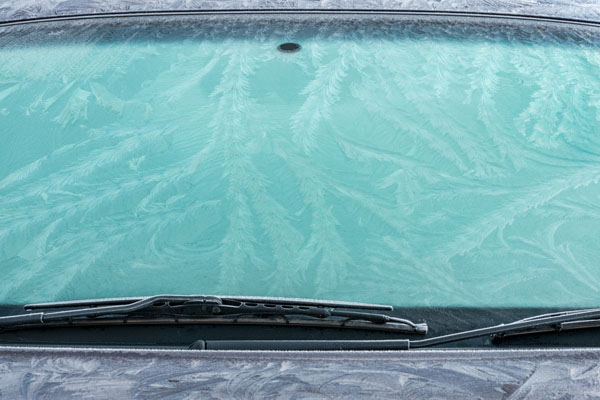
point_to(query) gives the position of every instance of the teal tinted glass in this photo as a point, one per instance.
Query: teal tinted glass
(415, 162)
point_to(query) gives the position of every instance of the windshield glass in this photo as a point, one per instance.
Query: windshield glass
(407, 161)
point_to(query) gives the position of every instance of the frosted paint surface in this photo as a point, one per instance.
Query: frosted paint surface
(412, 162)
(46, 372)
(588, 10)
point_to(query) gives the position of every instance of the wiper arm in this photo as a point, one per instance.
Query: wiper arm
(588, 317)
(217, 308)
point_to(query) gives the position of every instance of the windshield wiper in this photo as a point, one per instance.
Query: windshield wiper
(213, 309)
(565, 320)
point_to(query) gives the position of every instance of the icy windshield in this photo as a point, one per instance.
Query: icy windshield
(406, 161)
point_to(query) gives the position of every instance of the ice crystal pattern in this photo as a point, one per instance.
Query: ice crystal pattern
(419, 164)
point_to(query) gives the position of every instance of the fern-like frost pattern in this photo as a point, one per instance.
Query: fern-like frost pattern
(417, 164)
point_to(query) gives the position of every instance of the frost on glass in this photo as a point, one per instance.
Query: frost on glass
(411, 162)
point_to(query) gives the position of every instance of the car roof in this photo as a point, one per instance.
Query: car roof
(34, 9)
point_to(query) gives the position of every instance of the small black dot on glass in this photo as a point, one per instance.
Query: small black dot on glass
(289, 47)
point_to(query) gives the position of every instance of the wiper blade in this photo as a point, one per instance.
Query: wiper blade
(521, 325)
(585, 318)
(216, 309)
(286, 300)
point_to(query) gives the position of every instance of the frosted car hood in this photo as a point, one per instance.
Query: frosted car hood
(89, 373)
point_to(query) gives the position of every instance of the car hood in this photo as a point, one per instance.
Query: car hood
(120, 373)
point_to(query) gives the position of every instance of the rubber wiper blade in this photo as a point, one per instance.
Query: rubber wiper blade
(217, 309)
(274, 300)
(522, 325)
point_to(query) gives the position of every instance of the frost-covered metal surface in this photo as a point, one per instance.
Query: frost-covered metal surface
(89, 373)
(23, 9)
